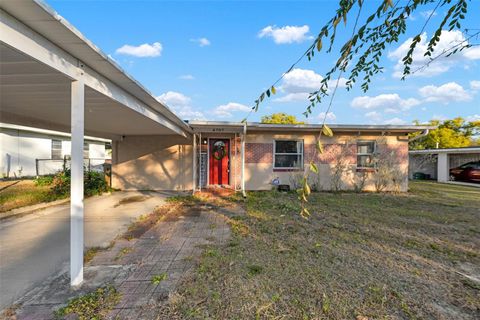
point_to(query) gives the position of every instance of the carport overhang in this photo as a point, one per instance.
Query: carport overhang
(443, 160)
(52, 77)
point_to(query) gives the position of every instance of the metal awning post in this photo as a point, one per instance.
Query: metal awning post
(76, 183)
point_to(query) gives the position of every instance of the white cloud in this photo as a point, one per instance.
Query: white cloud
(390, 102)
(428, 13)
(373, 115)
(395, 121)
(180, 104)
(174, 99)
(186, 77)
(141, 51)
(449, 92)
(475, 84)
(287, 34)
(330, 116)
(441, 65)
(202, 42)
(474, 117)
(298, 83)
(225, 110)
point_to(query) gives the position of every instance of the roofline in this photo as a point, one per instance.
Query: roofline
(152, 101)
(47, 132)
(313, 127)
(446, 150)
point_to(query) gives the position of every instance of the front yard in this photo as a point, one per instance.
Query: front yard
(359, 256)
(20, 193)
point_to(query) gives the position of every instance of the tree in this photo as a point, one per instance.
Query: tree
(455, 133)
(281, 118)
(360, 55)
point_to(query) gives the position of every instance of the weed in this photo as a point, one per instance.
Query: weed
(156, 279)
(93, 305)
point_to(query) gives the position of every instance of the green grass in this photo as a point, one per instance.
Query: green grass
(94, 305)
(24, 193)
(379, 256)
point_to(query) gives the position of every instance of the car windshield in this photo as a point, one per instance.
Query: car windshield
(468, 165)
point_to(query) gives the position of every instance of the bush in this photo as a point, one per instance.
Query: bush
(43, 181)
(94, 183)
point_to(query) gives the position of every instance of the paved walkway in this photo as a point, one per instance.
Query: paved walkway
(170, 247)
(35, 246)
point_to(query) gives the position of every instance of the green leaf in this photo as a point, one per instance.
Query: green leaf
(313, 167)
(327, 131)
(319, 44)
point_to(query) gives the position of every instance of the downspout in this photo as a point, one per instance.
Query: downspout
(421, 135)
(194, 164)
(244, 136)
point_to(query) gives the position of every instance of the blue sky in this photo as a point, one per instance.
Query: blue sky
(210, 60)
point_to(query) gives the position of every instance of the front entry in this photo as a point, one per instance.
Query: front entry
(219, 162)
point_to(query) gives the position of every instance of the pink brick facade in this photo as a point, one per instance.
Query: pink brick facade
(259, 153)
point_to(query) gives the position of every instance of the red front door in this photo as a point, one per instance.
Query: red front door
(219, 161)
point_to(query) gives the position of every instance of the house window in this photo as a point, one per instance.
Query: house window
(86, 150)
(365, 151)
(56, 149)
(288, 154)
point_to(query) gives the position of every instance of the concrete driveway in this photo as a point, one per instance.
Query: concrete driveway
(34, 247)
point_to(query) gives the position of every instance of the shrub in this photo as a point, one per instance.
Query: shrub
(43, 181)
(94, 183)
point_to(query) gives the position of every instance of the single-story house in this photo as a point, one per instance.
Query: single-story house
(54, 78)
(436, 163)
(28, 151)
(256, 156)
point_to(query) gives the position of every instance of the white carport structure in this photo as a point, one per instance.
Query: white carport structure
(448, 158)
(52, 77)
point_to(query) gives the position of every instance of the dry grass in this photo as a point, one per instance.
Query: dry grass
(360, 256)
(23, 193)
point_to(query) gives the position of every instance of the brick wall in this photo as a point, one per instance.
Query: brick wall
(258, 152)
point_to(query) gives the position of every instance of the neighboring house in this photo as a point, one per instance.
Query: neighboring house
(436, 163)
(27, 151)
(272, 154)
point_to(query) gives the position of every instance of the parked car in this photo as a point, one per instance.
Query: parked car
(469, 171)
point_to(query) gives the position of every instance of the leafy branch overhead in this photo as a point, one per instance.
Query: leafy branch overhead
(362, 52)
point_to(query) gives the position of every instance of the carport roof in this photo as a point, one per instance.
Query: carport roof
(447, 150)
(44, 21)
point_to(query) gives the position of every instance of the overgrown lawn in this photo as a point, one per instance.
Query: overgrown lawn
(359, 256)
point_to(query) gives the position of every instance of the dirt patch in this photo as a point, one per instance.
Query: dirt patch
(131, 199)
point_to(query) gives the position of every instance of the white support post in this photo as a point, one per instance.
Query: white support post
(200, 164)
(76, 184)
(194, 176)
(443, 166)
(243, 159)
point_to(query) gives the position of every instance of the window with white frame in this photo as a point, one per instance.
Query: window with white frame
(56, 149)
(365, 153)
(288, 154)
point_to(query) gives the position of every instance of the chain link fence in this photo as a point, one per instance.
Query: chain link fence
(45, 167)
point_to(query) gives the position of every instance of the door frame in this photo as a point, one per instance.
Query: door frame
(229, 158)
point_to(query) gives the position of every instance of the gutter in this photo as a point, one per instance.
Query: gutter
(421, 135)
(243, 159)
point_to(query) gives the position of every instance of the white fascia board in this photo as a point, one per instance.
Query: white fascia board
(47, 132)
(22, 38)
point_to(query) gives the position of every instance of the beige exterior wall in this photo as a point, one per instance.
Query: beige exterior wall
(259, 174)
(165, 162)
(152, 163)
